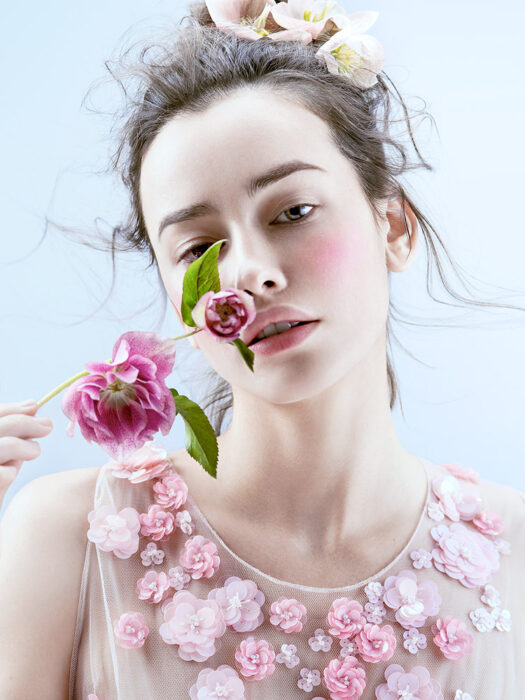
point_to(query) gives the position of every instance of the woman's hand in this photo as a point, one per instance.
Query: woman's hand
(18, 424)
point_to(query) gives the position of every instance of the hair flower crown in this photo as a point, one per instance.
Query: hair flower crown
(349, 51)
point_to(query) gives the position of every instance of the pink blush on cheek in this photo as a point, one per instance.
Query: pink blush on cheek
(331, 255)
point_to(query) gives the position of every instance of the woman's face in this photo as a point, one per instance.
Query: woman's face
(308, 240)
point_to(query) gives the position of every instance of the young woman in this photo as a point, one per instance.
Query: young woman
(325, 561)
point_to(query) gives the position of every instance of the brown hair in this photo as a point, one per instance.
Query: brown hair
(198, 64)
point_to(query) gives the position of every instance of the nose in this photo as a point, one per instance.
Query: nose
(252, 264)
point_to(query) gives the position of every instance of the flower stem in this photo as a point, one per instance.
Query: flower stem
(179, 337)
(59, 388)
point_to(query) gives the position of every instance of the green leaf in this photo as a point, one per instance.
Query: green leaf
(201, 276)
(247, 354)
(201, 441)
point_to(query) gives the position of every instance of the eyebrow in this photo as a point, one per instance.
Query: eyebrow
(256, 184)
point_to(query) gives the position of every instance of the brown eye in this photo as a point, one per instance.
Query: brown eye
(189, 255)
(295, 211)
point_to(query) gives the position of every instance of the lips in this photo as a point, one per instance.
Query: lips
(258, 340)
(276, 314)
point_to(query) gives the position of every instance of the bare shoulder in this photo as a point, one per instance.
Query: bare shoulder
(43, 538)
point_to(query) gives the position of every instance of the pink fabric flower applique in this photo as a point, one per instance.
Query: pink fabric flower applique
(288, 656)
(459, 501)
(414, 640)
(421, 558)
(123, 403)
(157, 524)
(193, 624)
(288, 614)
(171, 492)
(375, 612)
(451, 636)
(435, 511)
(348, 648)
(153, 587)
(375, 643)
(200, 557)
(152, 555)
(345, 679)
(221, 682)
(308, 678)
(345, 618)
(131, 630)
(412, 601)
(374, 591)
(115, 532)
(148, 462)
(415, 683)
(184, 522)
(320, 641)
(241, 603)
(489, 523)
(464, 554)
(462, 472)
(255, 659)
(490, 595)
(178, 577)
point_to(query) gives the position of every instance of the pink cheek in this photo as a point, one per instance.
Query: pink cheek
(330, 256)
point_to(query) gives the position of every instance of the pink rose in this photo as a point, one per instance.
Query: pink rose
(171, 491)
(222, 682)
(288, 613)
(121, 404)
(115, 532)
(452, 638)
(131, 630)
(489, 523)
(345, 618)
(459, 501)
(462, 472)
(345, 679)
(157, 524)
(224, 314)
(255, 659)
(415, 683)
(241, 603)
(464, 554)
(148, 462)
(376, 643)
(153, 587)
(193, 624)
(200, 557)
(413, 601)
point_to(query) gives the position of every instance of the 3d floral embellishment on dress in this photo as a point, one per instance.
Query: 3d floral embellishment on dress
(456, 469)
(241, 603)
(376, 643)
(348, 648)
(200, 557)
(451, 636)
(193, 624)
(435, 511)
(502, 546)
(345, 679)
(288, 614)
(288, 656)
(224, 314)
(461, 695)
(153, 587)
(131, 630)
(502, 619)
(374, 591)
(482, 619)
(223, 682)
(345, 618)
(459, 501)
(92, 697)
(415, 684)
(184, 521)
(375, 612)
(121, 404)
(308, 679)
(490, 596)
(171, 491)
(421, 558)
(148, 462)
(320, 641)
(115, 532)
(414, 640)
(464, 554)
(489, 523)
(178, 577)
(255, 659)
(157, 524)
(152, 555)
(412, 601)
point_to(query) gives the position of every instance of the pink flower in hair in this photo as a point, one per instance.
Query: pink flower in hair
(131, 630)
(345, 678)
(171, 491)
(115, 532)
(200, 557)
(224, 314)
(288, 614)
(345, 618)
(255, 659)
(451, 636)
(157, 524)
(489, 523)
(121, 404)
(148, 462)
(221, 682)
(376, 643)
(459, 501)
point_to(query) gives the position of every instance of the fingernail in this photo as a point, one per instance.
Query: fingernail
(44, 421)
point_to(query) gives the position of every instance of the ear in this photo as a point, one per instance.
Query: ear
(401, 235)
(192, 338)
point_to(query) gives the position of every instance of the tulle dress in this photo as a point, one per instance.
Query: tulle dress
(168, 610)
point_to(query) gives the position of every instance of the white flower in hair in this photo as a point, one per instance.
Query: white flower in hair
(315, 17)
(251, 19)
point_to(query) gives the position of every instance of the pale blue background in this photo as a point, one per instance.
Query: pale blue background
(464, 404)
